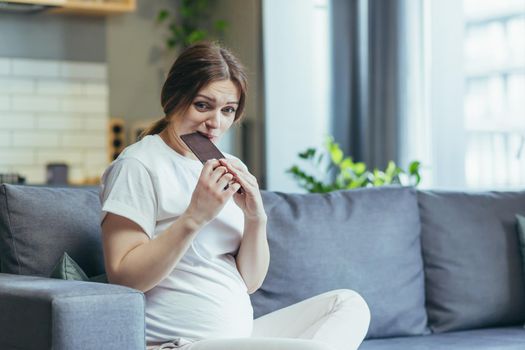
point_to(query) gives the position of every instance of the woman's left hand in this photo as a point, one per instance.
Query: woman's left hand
(250, 200)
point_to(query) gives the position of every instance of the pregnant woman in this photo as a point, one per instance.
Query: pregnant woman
(180, 232)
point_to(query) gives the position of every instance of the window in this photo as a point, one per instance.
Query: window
(474, 87)
(494, 100)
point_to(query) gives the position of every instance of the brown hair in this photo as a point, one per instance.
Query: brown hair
(196, 67)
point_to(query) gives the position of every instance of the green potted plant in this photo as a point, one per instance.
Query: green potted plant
(343, 173)
(190, 24)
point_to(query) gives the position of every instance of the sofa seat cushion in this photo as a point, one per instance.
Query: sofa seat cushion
(39, 224)
(508, 338)
(473, 271)
(367, 240)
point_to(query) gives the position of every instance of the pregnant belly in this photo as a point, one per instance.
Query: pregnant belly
(198, 309)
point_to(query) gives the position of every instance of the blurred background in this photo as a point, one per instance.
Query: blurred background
(440, 82)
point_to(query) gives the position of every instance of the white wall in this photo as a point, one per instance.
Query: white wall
(296, 85)
(137, 61)
(53, 111)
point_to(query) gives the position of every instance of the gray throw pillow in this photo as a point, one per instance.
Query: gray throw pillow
(521, 237)
(68, 269)
(521, 233)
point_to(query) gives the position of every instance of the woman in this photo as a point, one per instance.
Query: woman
(171, 229)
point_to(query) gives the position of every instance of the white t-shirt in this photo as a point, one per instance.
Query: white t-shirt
(204, 297)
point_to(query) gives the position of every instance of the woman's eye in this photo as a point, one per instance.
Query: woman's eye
(201, 105)
(229, 110)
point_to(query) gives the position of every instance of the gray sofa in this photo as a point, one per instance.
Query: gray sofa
(439, 270)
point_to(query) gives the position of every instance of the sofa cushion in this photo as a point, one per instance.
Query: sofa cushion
(68, 269)
(473, 269)
(367, 240)
(38, 224)
(511, 338)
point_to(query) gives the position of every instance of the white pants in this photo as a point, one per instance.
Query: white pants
(336, 320)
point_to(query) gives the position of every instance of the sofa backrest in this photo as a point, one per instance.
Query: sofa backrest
(473, 272)
(367, 240)
(39, 224)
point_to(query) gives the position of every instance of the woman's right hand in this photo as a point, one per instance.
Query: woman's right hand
(209, 196)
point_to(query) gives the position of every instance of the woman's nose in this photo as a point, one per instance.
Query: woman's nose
(215, 121)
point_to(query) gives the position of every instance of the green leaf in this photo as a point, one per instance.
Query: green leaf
(292, 169)
(347, 164)
(306, 181)
(317, 188)
(390, 169)
(378, 178)
(353, 184)
(363, 179)
(336, 154)
(348, 174)
(186, 11)
(418, 179)
(221, 25)
(309, 153)
(359, 168)
(162, 15)
(196, 35)
(171, 42)
(340, 181)
(414, 167)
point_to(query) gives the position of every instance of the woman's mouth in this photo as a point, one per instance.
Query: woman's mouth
(207, 135)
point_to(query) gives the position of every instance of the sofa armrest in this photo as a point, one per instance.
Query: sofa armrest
(45, 313)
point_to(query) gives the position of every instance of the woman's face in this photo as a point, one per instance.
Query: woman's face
(211, 112)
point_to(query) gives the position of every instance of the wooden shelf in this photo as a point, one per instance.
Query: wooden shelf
(96, 7)
(83, 7)
(37, 2)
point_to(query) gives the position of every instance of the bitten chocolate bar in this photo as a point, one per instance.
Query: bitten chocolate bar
(203, 149)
